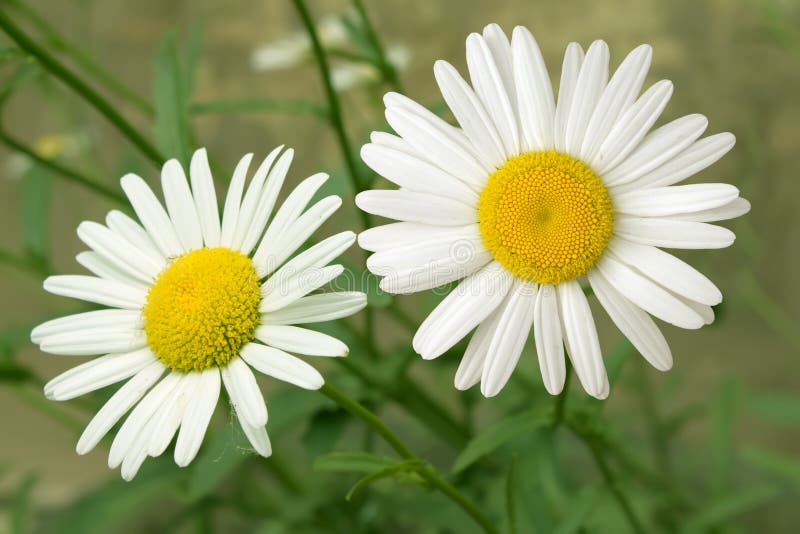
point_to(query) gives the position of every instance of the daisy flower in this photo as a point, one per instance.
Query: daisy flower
(199, 302)
(533, 197)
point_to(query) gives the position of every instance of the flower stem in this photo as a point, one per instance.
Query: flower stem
(427, 471)
(61, 72)
(382, 61)
(61, 170)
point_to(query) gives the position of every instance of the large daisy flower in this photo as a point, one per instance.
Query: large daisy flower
(534, 197)
(199, 302)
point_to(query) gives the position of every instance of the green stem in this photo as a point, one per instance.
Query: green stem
(249, 105)
(383, 63)
(614, 486)
(28, 265)
(60, 170)
(427, 471)
(61, 72)
(334, 106)
(99, 73)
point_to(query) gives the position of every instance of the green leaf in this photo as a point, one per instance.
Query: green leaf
(359, 462)
(779, 408)
(10, 53)
(25, 73)
(405, 471)
(718, 511)
(499, 434)
(775, 464)
(35, 213)
(579, 509)
(21, 506)
(217, 461)
(171, 94)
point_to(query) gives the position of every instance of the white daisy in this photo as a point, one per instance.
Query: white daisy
(532, 194)
(201, 301)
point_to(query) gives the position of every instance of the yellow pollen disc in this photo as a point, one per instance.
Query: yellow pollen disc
(545, 216)
(202, 309)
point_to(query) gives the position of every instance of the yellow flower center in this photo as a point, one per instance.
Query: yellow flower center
(202, 309)
(545, 216)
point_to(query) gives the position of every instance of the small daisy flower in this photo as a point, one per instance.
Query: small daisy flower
(195, 303)
(535, 196)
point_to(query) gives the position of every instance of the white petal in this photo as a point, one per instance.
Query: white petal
(139, 417)
(180, 205)
(154, 219)
(488, 84)
(690, 161)
(245, 395)
(271, 253)
(125, 227)
(314, 257)
(123, 255)
(392, 141)
(269, 194)
(257, 436)
(97, 373)
(534, 92)
(648, 295)
(318, 308)
(618, 95)
(89, 342)
(580, 335)
(233, 201)
(459, 248)
(674, 199)
(463, 309)
(633, 322)
(98, 290)
(399, 234)
(301, 340)
(136, 455)
(415, 174)
(513, 327)
(632, 126)
(549, 340)
(731, 210)
(93, 320)
(100, 266)
(435, 273)
(588, 89)
(423, 208)
(165, 423)
(571, 68)
(276, 296)
(285, 367)
(205, 198)
(438, 145)
(667, 270)
(119, 403)
(669, 233)
(197, 416)
(500, 48)
(471, 367)
(658, 147)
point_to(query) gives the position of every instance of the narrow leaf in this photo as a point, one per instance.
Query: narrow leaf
(404, 471)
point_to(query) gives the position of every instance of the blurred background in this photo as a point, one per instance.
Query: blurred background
(724, 423)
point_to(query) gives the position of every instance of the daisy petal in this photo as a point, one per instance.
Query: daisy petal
(93, 320)
(731, 210)
(571, 68)
(472, 363)
(97, 374)
(165, 423)
(500, 48)
(463, 309)
(301, 340)
(257, 436)
(318, 308)
(151, 213)
(283, 366)
(91, 289)
(513, 327)
(580, 335)
(534, 92)
(205, 198)
(633, 322)
(245, 395)
(197, 416)
(648, 295)
(101, 267)
(314, 257)
(455, 247)
(127, 228)
(549, 339)
(89, 342)
(233, 201)
(674, 199)
(249, 214)
(119, 252)
(588, 89)
(434, 273)
(399, 234)
(668, 271)
(275, 297)
(119, 403)
(667, 233)
(416, 207)
(180, 205)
